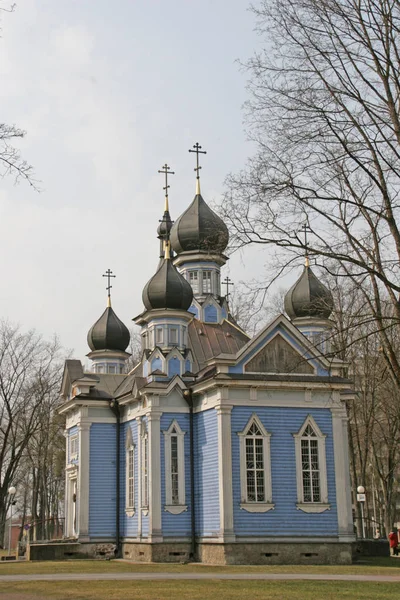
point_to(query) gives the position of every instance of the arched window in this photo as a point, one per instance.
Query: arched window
(312, 485)
(255, 467)
(174, 446)
(129, 474)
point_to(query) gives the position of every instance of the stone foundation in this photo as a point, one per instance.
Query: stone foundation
(69, 550)
(164, 552)
(242, 554)
(276, 554)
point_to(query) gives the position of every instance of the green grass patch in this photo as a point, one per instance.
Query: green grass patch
(196, 590)
(373, 566)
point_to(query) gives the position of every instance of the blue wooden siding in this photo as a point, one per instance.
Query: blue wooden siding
(176, 525)
(156, 364)
(285, 519)
(174, 367)
(210, 314)
(128, 525)
(194, 310)
(206, 473)
(102, 480)
(239, 367)
(72, 431)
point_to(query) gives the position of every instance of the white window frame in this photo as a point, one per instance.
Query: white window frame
(206, 276)
(174, 430)
(129, 456)
(73, 446)
(145, 468)
(170, 341)
(159, 335)
(194, 281)
(245, 504)
(323, 505)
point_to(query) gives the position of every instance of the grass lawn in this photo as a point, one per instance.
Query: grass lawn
(373, 566)
(196, 590)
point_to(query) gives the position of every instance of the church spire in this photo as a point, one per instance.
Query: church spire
(197, 150)
(166, 223)
(109, 275)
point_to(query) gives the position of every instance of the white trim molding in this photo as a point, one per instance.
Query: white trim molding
(254, 430)
(129, 474)
(310, 431)
(174, 500)
(225, 486)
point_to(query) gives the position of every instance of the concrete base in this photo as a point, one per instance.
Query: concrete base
(363, 548)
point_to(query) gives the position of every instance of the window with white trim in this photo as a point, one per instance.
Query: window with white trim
(174, 446)
(159, 335)
(145, 467)
(73, 447)
(194, 281)
(206, 282)
(173, 335)
(312, 485)
(255, 467)
(129, 474)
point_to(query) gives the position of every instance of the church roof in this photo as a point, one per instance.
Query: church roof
(208, 340)
(199, 228)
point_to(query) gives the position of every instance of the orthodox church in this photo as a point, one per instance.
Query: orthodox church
(215, 447)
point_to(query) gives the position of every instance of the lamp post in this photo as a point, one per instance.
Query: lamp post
(11, 492)
(361, 500)
(373, 500)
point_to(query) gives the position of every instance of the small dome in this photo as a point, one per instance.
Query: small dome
(165, 226)
(199, 228)
(308, 297)
(108, 333)
(167, 289)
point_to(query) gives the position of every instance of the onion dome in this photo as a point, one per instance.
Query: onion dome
(199, 228)
(308, 297)
(167, 288)
(165, 226)
(108, 333)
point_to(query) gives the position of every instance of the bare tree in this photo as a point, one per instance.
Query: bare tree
(324, 114)
(11, 161)
(27, 380)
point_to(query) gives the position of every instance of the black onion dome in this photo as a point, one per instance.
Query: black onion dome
(165, 226)
(199, 228)
(167, 289)
(108, 333)
(308, 297)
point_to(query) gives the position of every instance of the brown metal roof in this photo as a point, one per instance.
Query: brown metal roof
(208, 340)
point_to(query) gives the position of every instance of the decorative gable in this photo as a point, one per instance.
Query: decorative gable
(278, 356)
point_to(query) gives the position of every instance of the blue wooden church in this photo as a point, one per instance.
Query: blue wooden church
(215, 447)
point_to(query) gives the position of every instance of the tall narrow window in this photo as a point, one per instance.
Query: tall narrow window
(174, 469)
(255, 467)
(129, 473)
(206, 282)
(255, 479)
(312, 485)
(159, 335)
(194, 281)
(73, 447)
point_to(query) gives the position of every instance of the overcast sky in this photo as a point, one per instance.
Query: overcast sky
(108, 92)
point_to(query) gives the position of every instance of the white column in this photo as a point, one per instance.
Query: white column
(83, 481)
(342, 473)
(153, 423)
(225, 473)
(139, 475)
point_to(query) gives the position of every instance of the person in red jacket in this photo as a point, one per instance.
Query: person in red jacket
(393, 542)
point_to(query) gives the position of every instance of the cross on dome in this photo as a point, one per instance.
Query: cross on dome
(197, 150)
(109, 275)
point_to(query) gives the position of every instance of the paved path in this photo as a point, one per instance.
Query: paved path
(200, 576)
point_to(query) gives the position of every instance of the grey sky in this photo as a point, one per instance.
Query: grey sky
(109, 91)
